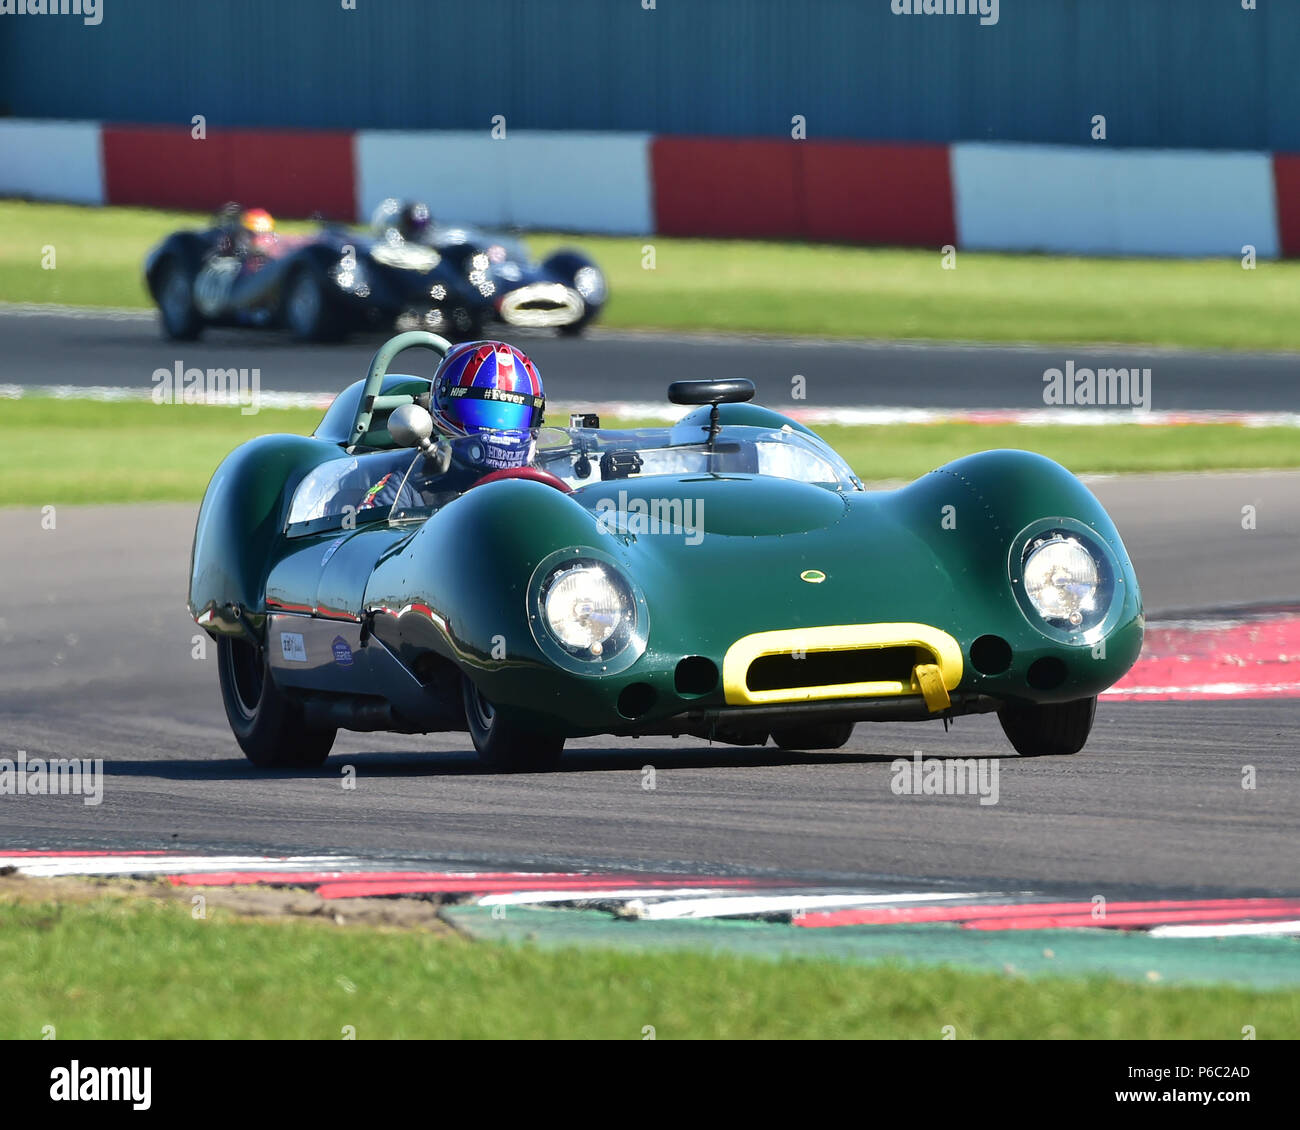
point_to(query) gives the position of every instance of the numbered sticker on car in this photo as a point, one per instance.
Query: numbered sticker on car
(293, 648)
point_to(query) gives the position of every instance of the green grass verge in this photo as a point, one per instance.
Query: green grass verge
(136, 451)
(118, 969)
(785, 288)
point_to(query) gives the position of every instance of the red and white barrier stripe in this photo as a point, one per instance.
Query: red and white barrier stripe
(978, 195)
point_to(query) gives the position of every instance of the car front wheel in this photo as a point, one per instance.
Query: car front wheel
(307, 308)
(502, 747)
(267, 724)
(1049, 729)
(180, 320)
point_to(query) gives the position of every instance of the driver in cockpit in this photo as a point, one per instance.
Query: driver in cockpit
(488, 405)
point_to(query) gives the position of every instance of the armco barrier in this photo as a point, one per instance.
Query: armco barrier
(897, 194)
(1286, 184)
(596, 182)
(291, 172)
(1113, 202)
(977, 195)
(51, 161)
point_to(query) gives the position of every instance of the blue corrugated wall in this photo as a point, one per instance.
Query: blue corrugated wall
(1185, 73)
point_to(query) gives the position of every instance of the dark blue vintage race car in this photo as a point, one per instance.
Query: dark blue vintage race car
(455, 281)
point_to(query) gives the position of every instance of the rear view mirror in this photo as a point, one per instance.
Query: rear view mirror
(735, 391)
(410, 426)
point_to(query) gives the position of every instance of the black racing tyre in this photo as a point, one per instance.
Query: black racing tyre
(1051, 729)
(267, 724)
(306, 307)
(175, 296)
(814, 735)
(502, 747)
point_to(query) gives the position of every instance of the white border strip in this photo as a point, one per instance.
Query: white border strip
(1227, 930)
(1227, 690)
(744, 905)
(47, 867)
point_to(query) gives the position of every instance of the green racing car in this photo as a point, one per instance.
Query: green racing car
(727, 577)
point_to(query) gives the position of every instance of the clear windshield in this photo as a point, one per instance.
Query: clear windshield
(355, 487)
(581, 456)
(400, 485)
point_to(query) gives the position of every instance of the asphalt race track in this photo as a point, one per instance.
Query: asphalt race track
(97, 662)
(124, 350)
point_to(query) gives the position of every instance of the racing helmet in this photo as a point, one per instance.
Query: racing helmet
(257, 220)
(490, 394)
(413, 220)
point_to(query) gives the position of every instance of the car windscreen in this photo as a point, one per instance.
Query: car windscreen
(357, 488)
(580, 455)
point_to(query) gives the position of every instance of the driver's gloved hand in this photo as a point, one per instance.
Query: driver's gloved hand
(438, 460)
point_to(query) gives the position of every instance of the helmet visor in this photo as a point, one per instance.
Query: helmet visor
(478, 408)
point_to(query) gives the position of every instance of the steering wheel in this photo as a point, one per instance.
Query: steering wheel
(535, 474)
(370, 398)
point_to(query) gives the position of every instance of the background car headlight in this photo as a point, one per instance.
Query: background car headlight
(587, 609)
(590, 283)
(351, 276)
(1062, 580)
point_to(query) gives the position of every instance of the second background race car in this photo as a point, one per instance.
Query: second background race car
(406, 271)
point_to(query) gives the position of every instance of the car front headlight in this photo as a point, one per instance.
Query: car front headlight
(585, 614)
(590, 283)
(585, 608)
(1062, 580)
(350, 275)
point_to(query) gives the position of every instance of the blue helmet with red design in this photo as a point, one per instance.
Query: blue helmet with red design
(491, 392)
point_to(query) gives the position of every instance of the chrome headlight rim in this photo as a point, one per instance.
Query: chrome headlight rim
(1109, 602)
(624, 646)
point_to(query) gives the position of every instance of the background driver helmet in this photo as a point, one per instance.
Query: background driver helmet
(490, 394)
(257, 232)
(414, 220)
(258, 221)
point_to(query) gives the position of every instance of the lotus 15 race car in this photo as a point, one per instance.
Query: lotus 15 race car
(456, 281)
(727, 578)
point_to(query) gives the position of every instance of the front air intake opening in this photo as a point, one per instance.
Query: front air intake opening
(695, 675)
(1046, 674)
(793, 670)
(636, 699)
(990, 655)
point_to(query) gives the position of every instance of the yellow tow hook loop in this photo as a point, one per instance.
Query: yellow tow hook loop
(930, 678)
